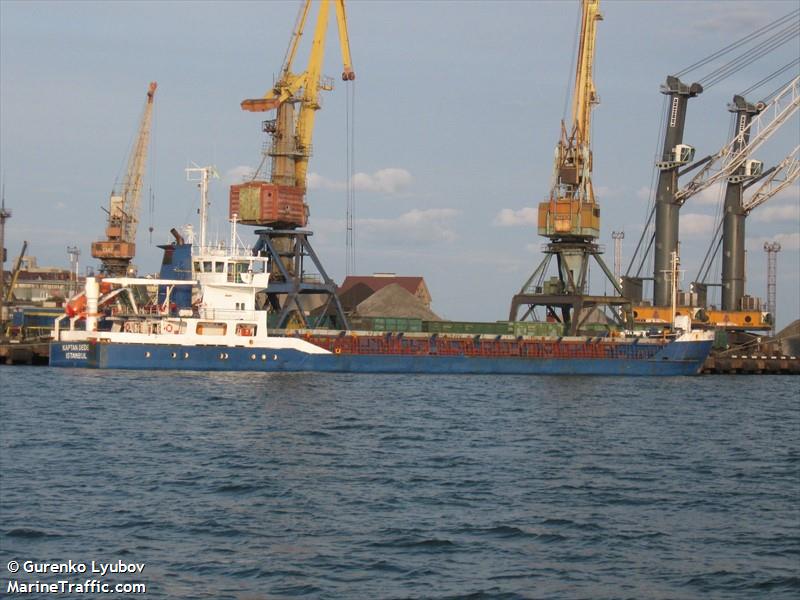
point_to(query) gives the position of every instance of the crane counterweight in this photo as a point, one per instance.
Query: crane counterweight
(280, 202)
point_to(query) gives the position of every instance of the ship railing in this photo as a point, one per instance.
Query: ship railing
(221, 250)
(148, 310)
(229, 314)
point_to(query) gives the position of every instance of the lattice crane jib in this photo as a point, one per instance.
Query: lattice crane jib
(571, 211)
(280, 200)
(771, 116)
(776, 180)
(119, 246)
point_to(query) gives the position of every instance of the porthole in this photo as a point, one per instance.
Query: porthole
(185, 355)
(174, 355)
(147, 355)
(252, 357)
(274, 357)
(263, 357)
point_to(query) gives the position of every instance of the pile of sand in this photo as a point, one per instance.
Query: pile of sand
(394, 301)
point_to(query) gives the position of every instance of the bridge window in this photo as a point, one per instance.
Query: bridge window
(235, 271)
(246, 329)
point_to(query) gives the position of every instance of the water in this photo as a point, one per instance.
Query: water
(250, 486)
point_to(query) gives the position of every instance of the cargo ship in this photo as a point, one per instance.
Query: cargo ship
(201, 314)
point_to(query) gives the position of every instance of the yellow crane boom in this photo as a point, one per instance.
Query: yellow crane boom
(280, 202)
(584, 95)
(9, 294)
(118, 249)
(571, 211)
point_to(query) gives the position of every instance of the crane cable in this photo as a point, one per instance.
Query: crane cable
(651, 205)
(350, 250)
(716, 241)
(771, 96)
(734, 45)
(711, 254)
(297, 19)
(770, 77)
(785, 35)
(570, 74)
(152, 172)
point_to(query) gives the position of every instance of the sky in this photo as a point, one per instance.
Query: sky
(457, 110)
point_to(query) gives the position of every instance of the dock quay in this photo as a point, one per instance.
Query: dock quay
(25, 353)
(752, 364)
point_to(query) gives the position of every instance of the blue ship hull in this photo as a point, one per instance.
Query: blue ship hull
(677, 358)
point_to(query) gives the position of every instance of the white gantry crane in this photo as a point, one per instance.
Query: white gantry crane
(734, 154)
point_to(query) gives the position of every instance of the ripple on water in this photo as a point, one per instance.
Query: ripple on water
(334, 486)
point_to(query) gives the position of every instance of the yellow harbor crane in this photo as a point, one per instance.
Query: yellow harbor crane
(570, 217)
(276, 200)
(280, 202)
(571, 211)
(117, 250)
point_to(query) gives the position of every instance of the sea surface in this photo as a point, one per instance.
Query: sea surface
(250, 486)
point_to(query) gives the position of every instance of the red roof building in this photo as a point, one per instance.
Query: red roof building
(413, 285)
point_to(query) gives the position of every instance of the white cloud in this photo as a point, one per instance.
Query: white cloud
(318, 182)
(775, 213)
(418, 226)
(726, 17)
(720, 17)
(788, 241)
(238, 174)
(608, 193)
(710, 196)
(391, 180)
(791, 193)
(385, 181)
(643, 193)
(696, 225)
(513, 218)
